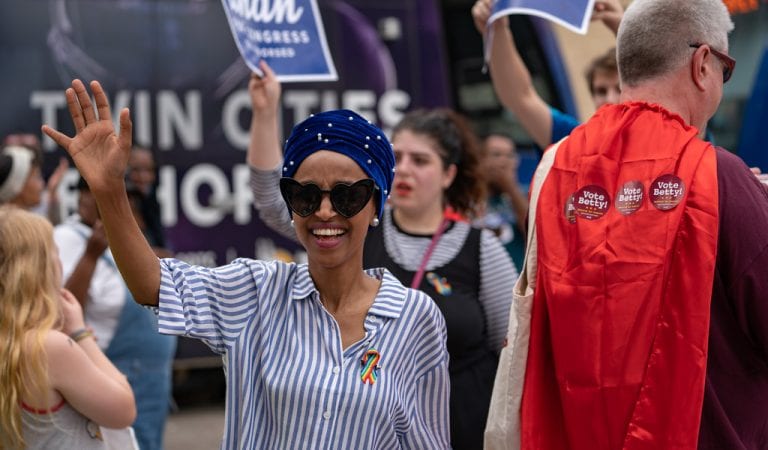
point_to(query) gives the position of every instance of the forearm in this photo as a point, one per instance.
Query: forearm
(498, 275)
(94, 353)
(269, 203)
(519, 203)
(135, 259)
(54, 208)
(514, 86)
(264, 148)
(80, 279)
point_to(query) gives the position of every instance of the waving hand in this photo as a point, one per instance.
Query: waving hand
(100, 155)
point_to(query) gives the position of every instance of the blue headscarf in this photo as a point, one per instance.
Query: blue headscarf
(346, 132)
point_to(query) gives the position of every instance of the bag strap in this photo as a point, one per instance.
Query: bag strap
(424, 260)
(547, 160)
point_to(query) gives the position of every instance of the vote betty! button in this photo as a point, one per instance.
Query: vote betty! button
(666, 192)
(591, 202)
(630, 197)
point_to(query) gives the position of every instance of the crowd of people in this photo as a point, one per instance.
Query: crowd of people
(619, 304)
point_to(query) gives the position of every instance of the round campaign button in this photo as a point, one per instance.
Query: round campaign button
(591, 202)
(666, 192)
(630, 197)
(570, 211)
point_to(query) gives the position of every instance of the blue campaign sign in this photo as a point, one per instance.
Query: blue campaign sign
(572, 14)
(287, 34)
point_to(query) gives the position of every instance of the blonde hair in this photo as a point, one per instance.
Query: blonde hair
(29, 309)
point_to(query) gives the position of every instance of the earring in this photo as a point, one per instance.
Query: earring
(293, 224)
(375, 222)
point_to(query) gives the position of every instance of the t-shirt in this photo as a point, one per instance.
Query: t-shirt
(735, 412)
(106, 292)
(562, 124)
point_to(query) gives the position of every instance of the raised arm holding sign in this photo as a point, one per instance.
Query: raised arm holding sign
(512, 80)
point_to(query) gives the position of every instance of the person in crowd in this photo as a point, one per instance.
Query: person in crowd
(45, 200)
(142, 174)
(424, 238)
(648, 321)
(126, 332)
(506, 206)
(21, 182)
(56, 388)
(322, 354)
(514, 86)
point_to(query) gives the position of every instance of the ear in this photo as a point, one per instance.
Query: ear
(449, 175)
(700, 70)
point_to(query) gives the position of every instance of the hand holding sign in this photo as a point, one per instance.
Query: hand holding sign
(572, 14)
(609, 12)
(288, 34)
(264, 91)
(481, 12)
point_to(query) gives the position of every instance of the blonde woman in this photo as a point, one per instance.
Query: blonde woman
(56, 387)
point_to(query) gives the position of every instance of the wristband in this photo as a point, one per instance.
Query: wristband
(79, 335)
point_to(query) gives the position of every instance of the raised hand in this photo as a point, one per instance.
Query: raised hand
(55, 179)
(501, 173)
(481, 12)
(97, 242)
(264, 92)
(100, 155)
(609, 12)
(71, 312)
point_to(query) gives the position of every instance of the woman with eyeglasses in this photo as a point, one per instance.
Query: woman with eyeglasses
(423, 239)
(318, 355)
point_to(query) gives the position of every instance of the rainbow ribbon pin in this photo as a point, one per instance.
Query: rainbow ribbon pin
(441, 284)
(370, 363)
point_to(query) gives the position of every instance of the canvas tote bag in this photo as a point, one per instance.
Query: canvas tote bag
(502, 431)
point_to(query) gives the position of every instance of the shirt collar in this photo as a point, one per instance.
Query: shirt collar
(389, 300)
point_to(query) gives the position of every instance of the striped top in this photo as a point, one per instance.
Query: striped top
(498, 273)
(290, 384)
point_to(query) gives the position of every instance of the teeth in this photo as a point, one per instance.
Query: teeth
(328, 232)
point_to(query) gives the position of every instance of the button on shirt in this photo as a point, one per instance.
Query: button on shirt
(290, 385)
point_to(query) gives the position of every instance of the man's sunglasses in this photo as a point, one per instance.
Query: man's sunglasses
(347, 199)
(728, 63)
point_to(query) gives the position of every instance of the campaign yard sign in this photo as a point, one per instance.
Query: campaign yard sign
(287, 34)
(572, 14)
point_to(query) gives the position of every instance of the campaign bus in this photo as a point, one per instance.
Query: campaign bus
(175, 65)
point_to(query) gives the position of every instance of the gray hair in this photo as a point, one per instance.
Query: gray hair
(654, 35)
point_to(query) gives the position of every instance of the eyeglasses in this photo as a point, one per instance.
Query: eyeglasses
(347, 199)
(728, 63)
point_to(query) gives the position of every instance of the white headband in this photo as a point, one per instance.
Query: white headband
(17, 177)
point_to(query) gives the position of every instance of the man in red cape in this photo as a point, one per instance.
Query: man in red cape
(649, 325)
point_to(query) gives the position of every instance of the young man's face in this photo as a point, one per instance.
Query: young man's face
(605, 88)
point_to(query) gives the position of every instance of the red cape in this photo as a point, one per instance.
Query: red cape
(620, 320)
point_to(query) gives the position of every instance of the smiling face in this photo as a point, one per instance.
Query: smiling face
(331, 240)
(420, 175)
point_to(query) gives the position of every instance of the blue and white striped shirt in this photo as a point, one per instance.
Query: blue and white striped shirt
(290, 385)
